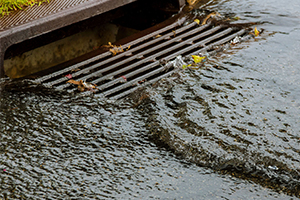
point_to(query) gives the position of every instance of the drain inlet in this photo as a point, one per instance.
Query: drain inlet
(144, 61)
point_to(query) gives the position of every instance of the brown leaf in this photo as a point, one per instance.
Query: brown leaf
(73, 82)
(209, 16)
(86, 85)
(83, 86)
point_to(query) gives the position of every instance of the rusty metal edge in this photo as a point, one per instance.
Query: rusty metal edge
(53, 22)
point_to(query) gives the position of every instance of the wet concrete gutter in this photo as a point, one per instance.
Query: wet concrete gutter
(35, 21)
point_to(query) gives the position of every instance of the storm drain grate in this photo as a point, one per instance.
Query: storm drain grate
(144, 61)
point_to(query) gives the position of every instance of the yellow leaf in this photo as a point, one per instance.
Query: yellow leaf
(256, 32)
(185, 66)
(197, 21)
(174, 33)
(197, 59)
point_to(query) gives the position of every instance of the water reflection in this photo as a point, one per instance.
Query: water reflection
(237, 115)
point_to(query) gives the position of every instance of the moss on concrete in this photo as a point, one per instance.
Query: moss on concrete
(8, 6)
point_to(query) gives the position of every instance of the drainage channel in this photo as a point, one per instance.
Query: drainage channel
(143, 60)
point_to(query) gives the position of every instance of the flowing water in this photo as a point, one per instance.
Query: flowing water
(226, 130)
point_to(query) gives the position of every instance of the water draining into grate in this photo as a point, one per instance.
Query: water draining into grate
(144, 61)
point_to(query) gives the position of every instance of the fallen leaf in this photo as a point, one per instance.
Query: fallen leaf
(142, 81)
(256, 32)
(185, 66)
(191, 2)
(174, 33)
(197, 59)
(197, 21)
(83, 86)
(73, 82)
(87, 85)
(114, 49)
(124, 78)
(209, 16)
(69, 76)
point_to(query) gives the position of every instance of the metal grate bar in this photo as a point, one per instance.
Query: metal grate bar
(121, 95)
(133, 82)
(220, 42)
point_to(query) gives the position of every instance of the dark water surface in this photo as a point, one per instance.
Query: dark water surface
(229, 130)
